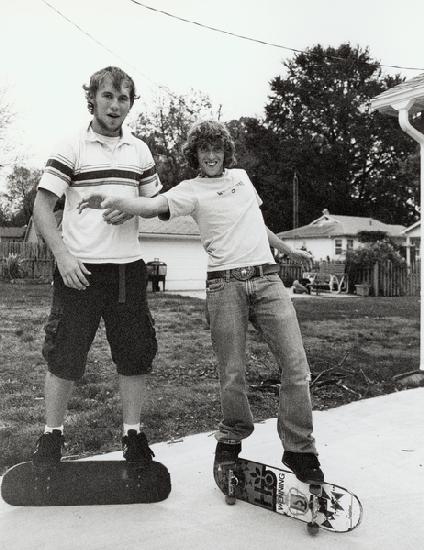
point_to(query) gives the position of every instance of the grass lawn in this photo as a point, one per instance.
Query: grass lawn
(354, 345)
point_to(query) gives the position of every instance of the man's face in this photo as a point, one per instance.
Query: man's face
(211, 159)
(111, 106)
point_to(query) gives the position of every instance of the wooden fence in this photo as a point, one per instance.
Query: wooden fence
(384, 279)
(387, 279)
(290, 272)
(37, 262)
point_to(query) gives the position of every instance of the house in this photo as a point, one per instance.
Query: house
(331, 235)
(8, 234)
(413, 240)
(175, 242)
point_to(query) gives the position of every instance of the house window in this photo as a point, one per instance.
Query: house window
(338, 246)
(349, 244)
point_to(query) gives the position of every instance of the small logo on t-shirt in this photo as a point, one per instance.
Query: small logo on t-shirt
(230, 190)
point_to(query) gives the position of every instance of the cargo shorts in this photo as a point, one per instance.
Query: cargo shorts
(117, 294)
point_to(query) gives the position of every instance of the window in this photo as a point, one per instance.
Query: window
(338, 246)
(349, 244)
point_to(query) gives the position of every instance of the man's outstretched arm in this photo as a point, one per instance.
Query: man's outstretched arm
(141, 206)
(294, 254)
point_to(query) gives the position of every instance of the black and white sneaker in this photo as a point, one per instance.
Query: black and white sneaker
(136, 449)
(48, 449)
(305, 466)
(227, 453)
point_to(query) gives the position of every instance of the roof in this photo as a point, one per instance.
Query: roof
(415, 225)
(183, 225)
(412, 89)
(334, 226)
(10, 232)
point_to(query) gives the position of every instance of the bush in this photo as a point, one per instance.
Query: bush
(14, 266)
(367, 256)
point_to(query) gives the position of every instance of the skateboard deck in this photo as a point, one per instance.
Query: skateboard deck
(335, 509)
(80, 483)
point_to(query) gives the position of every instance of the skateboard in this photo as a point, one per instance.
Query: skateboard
(80, 483)
(325, 506)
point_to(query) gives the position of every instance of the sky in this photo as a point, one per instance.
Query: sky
(46, 59)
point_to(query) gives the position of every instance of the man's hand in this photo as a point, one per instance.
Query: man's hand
(73, 271)
(116, 217)
(93, 201)
(99, 201)
(303, 257)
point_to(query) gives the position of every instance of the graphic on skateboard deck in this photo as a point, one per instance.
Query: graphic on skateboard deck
(326, 506)
(79, 483)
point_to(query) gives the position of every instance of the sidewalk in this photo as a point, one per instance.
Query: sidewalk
(202, 294)
(373, 447)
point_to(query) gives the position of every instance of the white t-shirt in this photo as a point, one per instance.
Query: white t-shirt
(88, 163)
(226, 209)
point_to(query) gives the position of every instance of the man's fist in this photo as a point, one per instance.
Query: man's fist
(93, 201)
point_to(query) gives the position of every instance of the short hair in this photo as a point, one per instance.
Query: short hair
(118, 77)
(205, 133)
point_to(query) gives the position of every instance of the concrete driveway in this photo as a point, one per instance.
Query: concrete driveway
(374, 447)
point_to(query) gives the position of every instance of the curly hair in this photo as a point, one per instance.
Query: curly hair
(205, 133)
(118, 77)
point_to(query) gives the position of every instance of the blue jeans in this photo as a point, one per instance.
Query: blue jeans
(264, 301)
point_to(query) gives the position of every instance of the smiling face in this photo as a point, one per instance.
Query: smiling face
(110, 107)
(211, 159)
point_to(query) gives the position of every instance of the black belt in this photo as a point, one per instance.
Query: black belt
(244, 273)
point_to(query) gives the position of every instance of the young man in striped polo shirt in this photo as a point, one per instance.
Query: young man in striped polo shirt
(100, 272)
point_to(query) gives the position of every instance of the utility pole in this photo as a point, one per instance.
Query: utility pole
(295, 200)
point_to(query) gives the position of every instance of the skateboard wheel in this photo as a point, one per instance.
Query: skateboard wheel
(313, 528)
(230, 500)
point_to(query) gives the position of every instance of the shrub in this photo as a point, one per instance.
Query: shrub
(14, 266)
(372, 253)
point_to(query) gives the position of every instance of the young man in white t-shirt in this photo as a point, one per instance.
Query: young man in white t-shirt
(242, 285)
(100, 272)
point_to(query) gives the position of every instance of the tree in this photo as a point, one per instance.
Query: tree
(348, 160)
(21, 190)
(165, 130)
(258, 152)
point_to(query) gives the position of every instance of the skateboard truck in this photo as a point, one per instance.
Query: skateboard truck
(230, 497)
(316, 492)
(227, 471)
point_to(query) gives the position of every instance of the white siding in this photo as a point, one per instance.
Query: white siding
(319, 247)
(416, 232)
(184, 256)
(323, 247)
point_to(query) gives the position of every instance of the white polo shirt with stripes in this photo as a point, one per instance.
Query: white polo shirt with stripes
(88, 163)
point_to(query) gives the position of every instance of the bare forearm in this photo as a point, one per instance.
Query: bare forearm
(141, 206)
(45, 221)
(146, 207)
(277, 243)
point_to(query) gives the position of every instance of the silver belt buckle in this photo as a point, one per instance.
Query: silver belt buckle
(243, 273)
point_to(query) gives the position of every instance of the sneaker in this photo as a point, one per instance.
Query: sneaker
(305, 466)
(227, 453)
(136, 449)
(48, 449)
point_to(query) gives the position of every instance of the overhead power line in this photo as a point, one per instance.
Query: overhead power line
(263, 42)
(94, 39)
